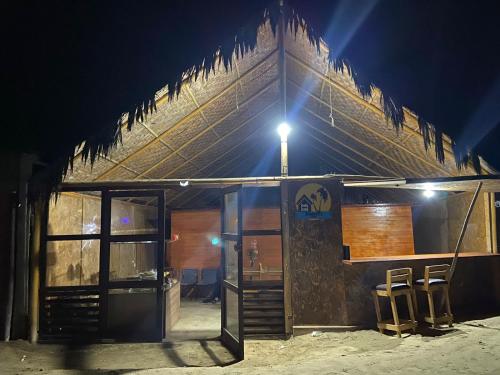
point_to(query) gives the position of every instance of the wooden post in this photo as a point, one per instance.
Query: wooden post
(35, 272)
(464, 227)
(285, 246)
(12, 270)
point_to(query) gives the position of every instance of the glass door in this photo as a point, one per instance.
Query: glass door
(132, 264)
(232, 271)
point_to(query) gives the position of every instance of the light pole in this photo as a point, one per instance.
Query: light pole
(283, 131)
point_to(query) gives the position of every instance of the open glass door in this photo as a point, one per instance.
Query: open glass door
(132, 265)
(232, 271)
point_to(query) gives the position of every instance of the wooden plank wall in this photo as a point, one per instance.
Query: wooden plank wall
(196, 228)
(378, 230)
(369, 230)
(193, 248)
(475, 235)
(269, 247)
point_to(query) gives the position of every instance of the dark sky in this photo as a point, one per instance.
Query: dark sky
(72, 67)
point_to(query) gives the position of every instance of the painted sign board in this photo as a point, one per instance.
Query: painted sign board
(313, 202)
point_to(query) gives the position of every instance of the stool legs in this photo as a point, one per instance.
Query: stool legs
(431, 308)
(377, 310)
(395, 314)
(410, 310)
(448, 307)
(414, 300)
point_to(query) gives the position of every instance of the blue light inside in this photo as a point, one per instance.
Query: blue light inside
(215, 241)
(125, 220)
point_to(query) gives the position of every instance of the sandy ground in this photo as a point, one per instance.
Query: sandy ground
(468, 348)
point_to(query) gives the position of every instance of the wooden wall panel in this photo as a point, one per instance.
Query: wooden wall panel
(261, 218)
(196, 228)
(316, 269)
(378, 230)
(475, 236)
(193, 248)
(269, 248)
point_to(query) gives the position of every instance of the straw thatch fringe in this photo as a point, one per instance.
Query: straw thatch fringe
(393, 110)
(245, 41)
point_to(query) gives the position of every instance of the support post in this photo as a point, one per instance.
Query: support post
(282, 79)
(34, 304)
(464, 227)
(20, 316)
(285, 246)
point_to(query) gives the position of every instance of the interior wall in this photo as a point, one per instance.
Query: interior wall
(269, 256)
(195, 230)
(475, 237)
(378, 230)
(430, 227)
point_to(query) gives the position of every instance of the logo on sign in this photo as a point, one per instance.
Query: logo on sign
(313, 201)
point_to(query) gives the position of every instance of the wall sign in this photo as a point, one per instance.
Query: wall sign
(313, 202)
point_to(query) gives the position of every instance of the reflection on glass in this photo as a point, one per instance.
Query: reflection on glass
(72, 263)
(232, 322)
(137, 215)
(75, 213)
(132, 261)
(231, 213)
(231, 260)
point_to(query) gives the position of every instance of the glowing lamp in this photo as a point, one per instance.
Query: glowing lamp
(283, 130)
(428, 193)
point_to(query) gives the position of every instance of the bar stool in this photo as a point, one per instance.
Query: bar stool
(436, 278)
(398, 282)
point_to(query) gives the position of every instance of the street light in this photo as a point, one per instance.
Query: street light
(283, 130)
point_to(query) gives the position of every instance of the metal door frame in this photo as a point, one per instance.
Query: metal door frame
(108, 238)
(235, 345)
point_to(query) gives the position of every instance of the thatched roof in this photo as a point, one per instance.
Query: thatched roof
(209, 64)
(223, 124)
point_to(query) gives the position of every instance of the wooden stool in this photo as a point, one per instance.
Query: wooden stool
(398, 283)
(436, 278)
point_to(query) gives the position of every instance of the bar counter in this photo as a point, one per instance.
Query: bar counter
(417, 257)
(475, 286)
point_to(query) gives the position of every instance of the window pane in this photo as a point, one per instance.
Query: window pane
(262, 258)
(75, 213)
(232, 322)
(231, 260)
(134, 215)
(231, 213)
(133, 261)
(73, 263)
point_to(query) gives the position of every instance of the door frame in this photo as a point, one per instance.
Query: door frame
(108, 238)
(235, 345)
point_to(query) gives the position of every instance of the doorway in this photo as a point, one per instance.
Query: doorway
(103, 274)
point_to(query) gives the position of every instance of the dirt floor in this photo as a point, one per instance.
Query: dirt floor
(470, 347)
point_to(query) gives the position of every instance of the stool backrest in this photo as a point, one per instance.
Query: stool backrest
(400, 275)
(439, 271)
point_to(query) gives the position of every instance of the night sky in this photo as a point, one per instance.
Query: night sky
(70, 68)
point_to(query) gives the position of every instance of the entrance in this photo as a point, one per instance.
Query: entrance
(103, 266)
